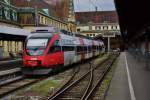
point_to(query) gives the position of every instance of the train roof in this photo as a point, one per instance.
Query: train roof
(41, 35)
(87, 41)
(49, 29)
(73, 40)
(43, 32)
(52, 29)
(67, 38)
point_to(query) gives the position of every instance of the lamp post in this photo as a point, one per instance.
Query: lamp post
(108, 44)
(36, 16)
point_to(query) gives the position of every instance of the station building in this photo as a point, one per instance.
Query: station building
(17, 21)
(10, 39)
(100, 25)
(94, 29)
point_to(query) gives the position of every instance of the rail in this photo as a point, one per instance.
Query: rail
(64, 91)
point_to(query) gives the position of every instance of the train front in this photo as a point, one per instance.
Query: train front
(34, 55)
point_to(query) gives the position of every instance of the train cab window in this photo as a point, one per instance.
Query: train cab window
(36, 46)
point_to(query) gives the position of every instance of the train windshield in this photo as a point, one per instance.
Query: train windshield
(36, 46)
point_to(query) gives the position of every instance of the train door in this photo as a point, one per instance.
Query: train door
(82, 49)
(69, 54)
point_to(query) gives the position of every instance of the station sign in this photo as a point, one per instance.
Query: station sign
(108, 35)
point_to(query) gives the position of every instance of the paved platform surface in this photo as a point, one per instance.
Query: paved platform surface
(131, 81)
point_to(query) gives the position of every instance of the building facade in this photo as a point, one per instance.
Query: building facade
(97, 29)
(46, 12)
(31, 17)
(8, 14)
(100, 24)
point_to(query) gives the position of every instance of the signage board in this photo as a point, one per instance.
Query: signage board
(108, 35)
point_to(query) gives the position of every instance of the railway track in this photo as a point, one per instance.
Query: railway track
(10, 70)
(76, 73)
(68, 92)
(11, 75)
(99, 74)
(10, 64)
(82, 87)
(16, 81)
(10, 87)
(12, 80)
(79, 81)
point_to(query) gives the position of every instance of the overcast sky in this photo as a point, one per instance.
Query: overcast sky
(89, 5)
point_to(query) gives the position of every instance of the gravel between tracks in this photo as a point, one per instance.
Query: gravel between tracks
(57, 80)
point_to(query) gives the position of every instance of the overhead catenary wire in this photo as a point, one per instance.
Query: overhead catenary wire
(96, 4)
(91, 1)
(99, 5)
(78, 5)
(93, 4)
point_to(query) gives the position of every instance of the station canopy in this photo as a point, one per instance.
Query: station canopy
(133, 16)
(11, 33)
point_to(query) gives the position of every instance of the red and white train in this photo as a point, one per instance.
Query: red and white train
(48, 48)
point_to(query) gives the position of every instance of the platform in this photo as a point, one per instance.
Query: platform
(131, 81)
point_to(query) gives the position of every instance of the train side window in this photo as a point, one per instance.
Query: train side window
(81, 49)
(78, 49)
(54, 49)
(97, 48)
(57, 48)
(85, 49)
(90, 48)
(100, 47)
(68, 48)
(94, 48)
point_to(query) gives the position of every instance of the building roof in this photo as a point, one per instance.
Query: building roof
(40, 4)
(13, 31)
(96, 17)
(56, 8)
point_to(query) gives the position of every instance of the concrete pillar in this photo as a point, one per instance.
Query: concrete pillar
(108, 44)
(147, 50)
